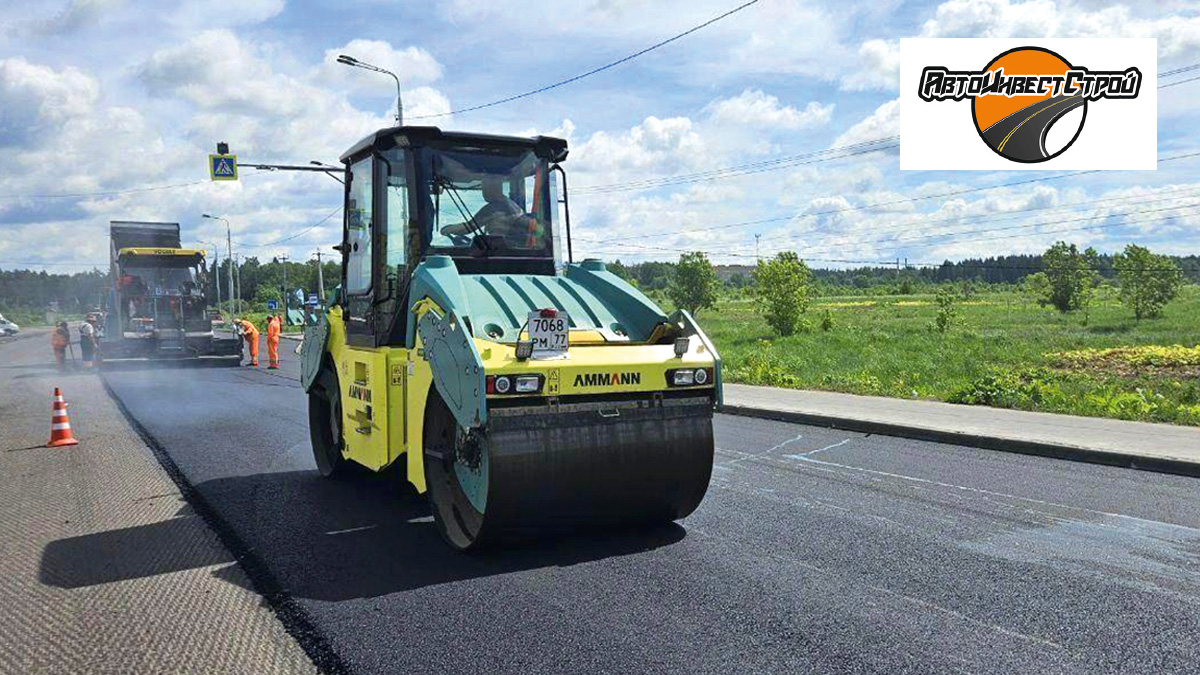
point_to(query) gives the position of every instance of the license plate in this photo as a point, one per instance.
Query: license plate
(549, 335)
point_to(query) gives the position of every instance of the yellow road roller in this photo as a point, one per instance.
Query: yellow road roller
(524, 392)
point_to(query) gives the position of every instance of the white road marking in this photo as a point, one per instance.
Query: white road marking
(813, 452)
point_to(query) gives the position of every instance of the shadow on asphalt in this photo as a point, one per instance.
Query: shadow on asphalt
(325, 540)
(131, 553)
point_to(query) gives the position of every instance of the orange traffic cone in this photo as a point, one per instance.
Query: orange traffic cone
(60, 424)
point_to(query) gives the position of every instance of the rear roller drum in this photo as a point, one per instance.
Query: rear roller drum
(325, 424)
(456, 474)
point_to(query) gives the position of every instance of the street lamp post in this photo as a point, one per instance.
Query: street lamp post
(355, 63)
(229, 245)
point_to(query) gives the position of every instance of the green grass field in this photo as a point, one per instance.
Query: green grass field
(1001, 351)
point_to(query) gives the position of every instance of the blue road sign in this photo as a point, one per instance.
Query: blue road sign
(312, 299)
(222, 167)
(272, 305)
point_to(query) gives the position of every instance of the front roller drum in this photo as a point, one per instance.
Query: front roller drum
(535, 469)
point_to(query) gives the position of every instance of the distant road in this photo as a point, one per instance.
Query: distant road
(1022, 135)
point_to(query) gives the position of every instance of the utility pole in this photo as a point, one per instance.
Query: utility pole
(237, 280)
(756, 257)
(320, 280)
(283, 260)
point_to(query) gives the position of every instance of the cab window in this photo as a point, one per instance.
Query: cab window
(358, 228)
(397, 218)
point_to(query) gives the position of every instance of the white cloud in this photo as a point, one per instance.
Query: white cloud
(241, 98)
(214, 70)
(36, 100)
(753, 108)
(77, 14)
(878, 67)
(223, 13)
(1176, 35)
(412, 65)
(882, 123)
(671, 144)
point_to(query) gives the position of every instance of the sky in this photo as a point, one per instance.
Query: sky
(108, 109)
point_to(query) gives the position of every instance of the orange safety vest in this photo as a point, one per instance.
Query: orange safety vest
(273, 327)
(249, 329)
(58, 340)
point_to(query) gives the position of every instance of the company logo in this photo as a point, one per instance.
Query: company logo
(607, 379)
(1023, 93)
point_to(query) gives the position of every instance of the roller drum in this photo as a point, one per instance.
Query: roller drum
(562, 467)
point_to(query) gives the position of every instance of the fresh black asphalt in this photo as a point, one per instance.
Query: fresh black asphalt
(815, 551)
(1022, 135)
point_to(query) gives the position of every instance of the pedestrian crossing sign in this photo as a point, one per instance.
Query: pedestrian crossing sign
(222, 167)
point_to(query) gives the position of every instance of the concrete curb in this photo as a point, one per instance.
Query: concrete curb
(1019, 446)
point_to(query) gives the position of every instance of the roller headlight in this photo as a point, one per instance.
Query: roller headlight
(503, 385)
(689, 377)
(528, 384)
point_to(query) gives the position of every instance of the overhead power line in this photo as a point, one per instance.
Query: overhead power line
(589, 73)
(50, 264)
(297, 234)
(1160, 196)
(902, 241)
(1181, 69)
(892, 202)
(816, 156)
(104, 193)
(1100, 226)
(779, 163)
(1177, 82)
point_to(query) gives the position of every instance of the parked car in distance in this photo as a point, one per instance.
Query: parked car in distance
(7, 327)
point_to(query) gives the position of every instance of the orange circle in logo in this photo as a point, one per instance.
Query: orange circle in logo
(1017, 126)
(991, 109)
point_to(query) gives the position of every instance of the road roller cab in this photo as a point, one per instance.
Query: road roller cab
(521, 390)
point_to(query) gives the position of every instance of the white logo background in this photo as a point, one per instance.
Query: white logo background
(1118, 134)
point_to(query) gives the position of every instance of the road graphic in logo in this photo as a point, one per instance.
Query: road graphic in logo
(1023, 93)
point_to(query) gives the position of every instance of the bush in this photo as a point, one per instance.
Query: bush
(947, 310)
(1148, 281)
(694, 283)
(1071, 277)
(1025, 389)
(782, 288)
(827, 320)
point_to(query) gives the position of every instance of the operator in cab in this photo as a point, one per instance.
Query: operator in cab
(499, 216)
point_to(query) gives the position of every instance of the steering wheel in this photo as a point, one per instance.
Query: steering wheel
(461, 240)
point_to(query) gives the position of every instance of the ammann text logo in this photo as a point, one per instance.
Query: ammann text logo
(607, 379)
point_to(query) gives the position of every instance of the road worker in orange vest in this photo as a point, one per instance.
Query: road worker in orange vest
(60, 340)
(274, 328)
(250, 332)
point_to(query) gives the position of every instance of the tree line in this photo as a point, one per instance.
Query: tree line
(1066, 278)
(1007, 269)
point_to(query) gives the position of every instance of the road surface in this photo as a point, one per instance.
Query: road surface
(1022, 135)
(814, 551)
